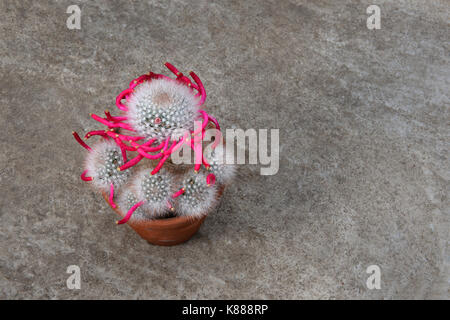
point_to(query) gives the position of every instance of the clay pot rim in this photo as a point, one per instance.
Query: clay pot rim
(164, 223)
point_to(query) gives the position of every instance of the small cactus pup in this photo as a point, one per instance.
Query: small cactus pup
(157, 115)
(221, 172)
(150, 193)
(101, 163)
(127, 200)
(196, 198)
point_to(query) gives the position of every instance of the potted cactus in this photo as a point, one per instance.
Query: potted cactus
(132, 165)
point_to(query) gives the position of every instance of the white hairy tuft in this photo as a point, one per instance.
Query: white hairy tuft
(198, 199)
(128, 199)
(156, 190)
(162, 108)
(101, 164)
(224, 172)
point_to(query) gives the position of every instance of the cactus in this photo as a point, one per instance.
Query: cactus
(223, 173)
(162, 109)
(127, 199)
(196, 197)
(155, 190)
(101, 165)
(157, 116)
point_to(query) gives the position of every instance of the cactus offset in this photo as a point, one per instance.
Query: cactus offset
(127, 200)
(101, 164)
(197, 198)
(222, 171)
(155, 190)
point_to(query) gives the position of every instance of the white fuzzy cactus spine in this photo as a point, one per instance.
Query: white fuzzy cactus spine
(224, 173)
(155, 191)
(128, 199)
(162, 108)
(198, 198)
(101, 164)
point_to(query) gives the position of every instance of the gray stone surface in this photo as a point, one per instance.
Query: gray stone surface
(364, 171)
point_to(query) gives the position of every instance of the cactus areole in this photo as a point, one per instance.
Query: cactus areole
(156, 118)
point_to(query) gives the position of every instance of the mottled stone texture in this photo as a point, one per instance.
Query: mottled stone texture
(364, 171)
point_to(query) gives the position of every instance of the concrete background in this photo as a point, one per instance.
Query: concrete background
(364, 171)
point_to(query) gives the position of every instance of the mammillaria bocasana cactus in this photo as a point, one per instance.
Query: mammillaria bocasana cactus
(158, 116)
(196, 195)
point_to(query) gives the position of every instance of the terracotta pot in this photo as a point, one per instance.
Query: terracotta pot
(165, 232)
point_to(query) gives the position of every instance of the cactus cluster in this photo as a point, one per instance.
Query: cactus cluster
(157, 116)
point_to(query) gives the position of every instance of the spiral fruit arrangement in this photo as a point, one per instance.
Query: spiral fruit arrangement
(158, 115)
